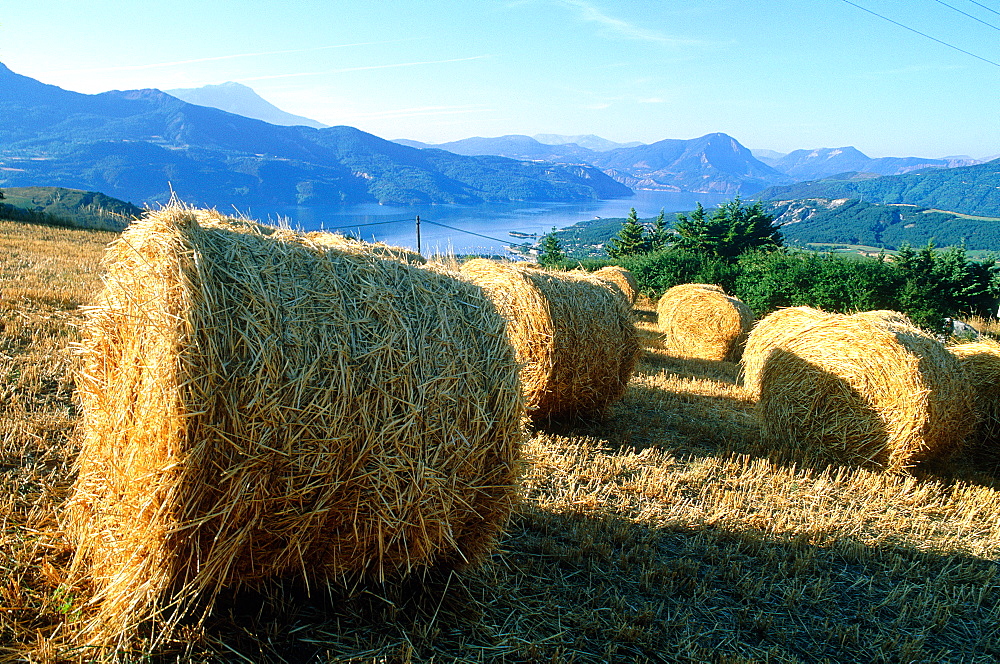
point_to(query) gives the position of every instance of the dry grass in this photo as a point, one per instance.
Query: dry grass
(666, 534)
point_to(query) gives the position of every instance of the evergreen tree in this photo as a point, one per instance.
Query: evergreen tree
(551, 250)
(659, 235)
(732, 230)
(631, 240)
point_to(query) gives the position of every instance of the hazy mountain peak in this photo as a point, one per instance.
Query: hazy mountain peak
(239, 99)
(589, 141)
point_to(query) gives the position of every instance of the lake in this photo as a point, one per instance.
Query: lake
(470, 229)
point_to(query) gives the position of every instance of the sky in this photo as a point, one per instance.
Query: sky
(774, 74)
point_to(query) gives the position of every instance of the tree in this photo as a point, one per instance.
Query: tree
(732, 230)
(630, 240)
(659, 235)
(551, 250)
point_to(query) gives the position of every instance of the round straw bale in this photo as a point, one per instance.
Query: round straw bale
(257, 407)
(574, 337)
(851, 390)
(770, 332)
(380, 249)
(699, 321)
(980, 362)
(885, 316)
(621, 278)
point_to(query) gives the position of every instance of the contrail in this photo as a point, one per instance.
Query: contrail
(366, 68)
(229, 57)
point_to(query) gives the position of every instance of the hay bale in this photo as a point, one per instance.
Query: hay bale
(980, 362)
(573, 336)
(772, 331)
(699, 321)
(621, 278)
(380, 249)
(885, 316)
(257, 407)
(847, 389)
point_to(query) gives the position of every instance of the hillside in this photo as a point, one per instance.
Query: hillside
(855, 222)
(66, 207)
(141, 145)
(973, 190)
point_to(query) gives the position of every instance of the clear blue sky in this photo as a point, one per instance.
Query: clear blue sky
(776, 74)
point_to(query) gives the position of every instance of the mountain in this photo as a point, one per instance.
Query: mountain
(769, 157)
(589, 141)
(142, 145)
(715, 163)
(823, 162)
(971, 190)
(241, 100)
(889, 226)
(66, 207)
(514, 146)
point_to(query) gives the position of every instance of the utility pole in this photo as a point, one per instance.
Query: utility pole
(418, 235)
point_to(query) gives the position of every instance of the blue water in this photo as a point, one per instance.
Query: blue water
(482, 228)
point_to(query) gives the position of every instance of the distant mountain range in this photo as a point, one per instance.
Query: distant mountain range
(241, 100)
(141, 145)
(824, 162)
(714, 163)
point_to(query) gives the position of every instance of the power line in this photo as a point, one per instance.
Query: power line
(942, 2)
(985, 7)
(462, 230)
(923, 34)
(374, 223)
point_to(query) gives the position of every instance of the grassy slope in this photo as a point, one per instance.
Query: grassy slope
(668, 533)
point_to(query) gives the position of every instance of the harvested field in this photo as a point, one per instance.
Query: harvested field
(665, 534)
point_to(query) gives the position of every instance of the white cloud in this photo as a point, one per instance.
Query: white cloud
(589, 12)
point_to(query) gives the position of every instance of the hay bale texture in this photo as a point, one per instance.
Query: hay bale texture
(622, 278)
(380, 249)
(980, 362)
(574, 337)
(258, 406)
(699, 321)
(772, 331)
(857, 390)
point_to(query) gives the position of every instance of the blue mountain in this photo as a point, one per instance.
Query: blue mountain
(141, 145)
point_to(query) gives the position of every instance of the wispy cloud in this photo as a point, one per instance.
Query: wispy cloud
(591, 13)
(232, 56)
(363, 68)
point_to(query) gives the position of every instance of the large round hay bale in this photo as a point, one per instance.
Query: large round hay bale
(980, 362)
(850, 390)
(255, 406)
(700, 321)
(622, 278)
(574, 337)
(885, 317)
(770, 332)
(380, 249)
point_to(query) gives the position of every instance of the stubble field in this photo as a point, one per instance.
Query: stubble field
(668, 533)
